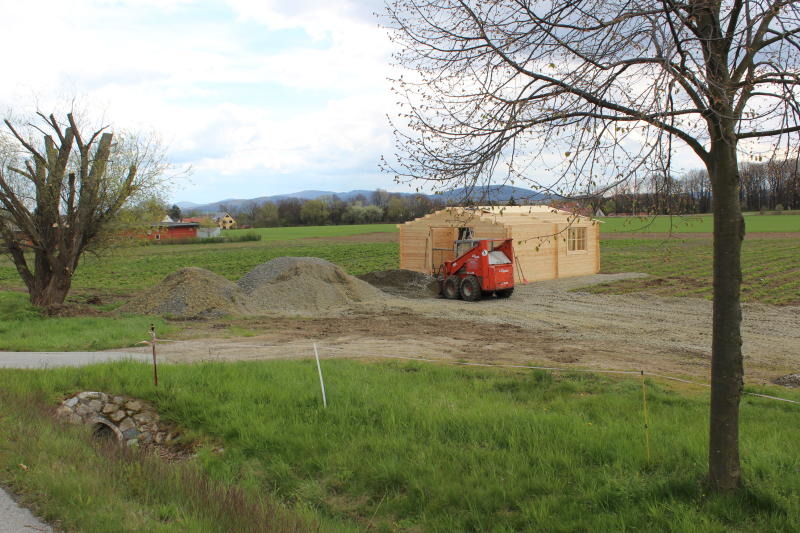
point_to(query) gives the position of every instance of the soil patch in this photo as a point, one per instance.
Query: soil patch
(550, 323)
(406, 283)
(190, 293)
(71, 310)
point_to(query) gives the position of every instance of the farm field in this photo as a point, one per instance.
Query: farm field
(771, 268)
(127, 270)
(316, 232)
(403, 446)
(754, 223)
(680, 267)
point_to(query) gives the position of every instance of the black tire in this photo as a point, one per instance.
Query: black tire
(470, 289)
(504, 293)
(450, 288)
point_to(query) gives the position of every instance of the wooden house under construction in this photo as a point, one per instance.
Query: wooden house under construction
(548, 243)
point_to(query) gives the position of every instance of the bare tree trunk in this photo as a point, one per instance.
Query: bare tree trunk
(726, 350)
(50, 291)
(50, 282)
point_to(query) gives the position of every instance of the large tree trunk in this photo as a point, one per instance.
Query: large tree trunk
(50, 283)
(51, 291)
(726, 351)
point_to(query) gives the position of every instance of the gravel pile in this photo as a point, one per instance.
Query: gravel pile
(271, 270)
(188, 293)
(406, 283)
(789, 380)
(304, 284)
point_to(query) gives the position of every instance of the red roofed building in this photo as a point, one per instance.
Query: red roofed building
(173, 230)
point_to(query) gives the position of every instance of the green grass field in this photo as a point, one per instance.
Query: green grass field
(770, 268)
(412, 447)
(23, 328)
(754, 223)
(131, 269)
(124, 271)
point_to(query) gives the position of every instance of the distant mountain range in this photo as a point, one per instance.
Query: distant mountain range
(492, 194)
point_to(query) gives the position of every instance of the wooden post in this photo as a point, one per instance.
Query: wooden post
(153, 344)
(646, 424)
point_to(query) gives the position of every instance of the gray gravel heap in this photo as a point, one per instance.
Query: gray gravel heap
(304, 284)
(284, 284)
(190, 292)
(275, 268)
(789, 380)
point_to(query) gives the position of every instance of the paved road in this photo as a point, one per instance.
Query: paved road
(13, 518)
(53, 359)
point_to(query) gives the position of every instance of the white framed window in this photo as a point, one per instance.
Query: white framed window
(576, 240)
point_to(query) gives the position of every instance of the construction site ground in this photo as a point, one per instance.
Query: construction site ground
(549, 323)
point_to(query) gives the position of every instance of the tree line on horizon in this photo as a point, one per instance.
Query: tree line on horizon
(379, 206)
(770, 186)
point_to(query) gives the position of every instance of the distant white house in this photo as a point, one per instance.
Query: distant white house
(205, 233)
(207, 228)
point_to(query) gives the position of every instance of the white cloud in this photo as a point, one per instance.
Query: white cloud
(158, 65)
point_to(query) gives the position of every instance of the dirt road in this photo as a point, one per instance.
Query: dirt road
(542, 323)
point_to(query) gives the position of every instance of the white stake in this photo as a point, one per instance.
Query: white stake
(321, 382)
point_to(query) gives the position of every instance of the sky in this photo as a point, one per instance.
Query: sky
(258, 97)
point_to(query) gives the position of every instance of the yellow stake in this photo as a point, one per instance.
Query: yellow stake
(644, 412)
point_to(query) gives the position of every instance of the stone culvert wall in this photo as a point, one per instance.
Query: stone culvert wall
(129, 420)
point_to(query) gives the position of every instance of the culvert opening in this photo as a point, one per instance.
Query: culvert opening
(103, 432)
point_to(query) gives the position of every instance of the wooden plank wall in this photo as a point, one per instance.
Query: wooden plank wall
(441, 245)
(540, 243)
(536, 250)
(416, 238)
(582, 262)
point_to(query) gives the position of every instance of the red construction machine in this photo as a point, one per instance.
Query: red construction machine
(481, 267)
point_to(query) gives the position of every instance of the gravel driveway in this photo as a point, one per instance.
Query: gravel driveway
(550, 322)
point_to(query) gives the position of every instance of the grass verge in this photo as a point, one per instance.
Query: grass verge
(24, 328)
(82, 486)
(414, 447)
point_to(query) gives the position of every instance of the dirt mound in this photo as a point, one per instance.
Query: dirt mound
(71, 310)
(304, 284)
(190, 292)
(789, 380)
(407, 283)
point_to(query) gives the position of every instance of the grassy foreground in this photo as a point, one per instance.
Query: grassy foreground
(410, 447)
(24, 328)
